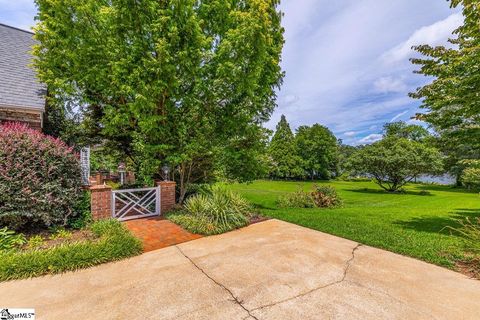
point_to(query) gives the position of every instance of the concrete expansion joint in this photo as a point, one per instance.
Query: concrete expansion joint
(234, 298)
(346, 267)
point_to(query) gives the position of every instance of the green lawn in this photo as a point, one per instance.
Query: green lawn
(411, 224)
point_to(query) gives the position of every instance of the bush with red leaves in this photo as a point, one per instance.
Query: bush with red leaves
(39, 179)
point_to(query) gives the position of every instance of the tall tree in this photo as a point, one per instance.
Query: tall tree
(173, 82)
(451, 99)
(317, 146)
(286, 164)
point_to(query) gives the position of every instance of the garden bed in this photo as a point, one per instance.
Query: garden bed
(103, 241)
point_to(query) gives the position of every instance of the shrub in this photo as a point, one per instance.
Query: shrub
(84, 214)
(221, 211)
(39, 178)
(10, 240)
(325, 197)
(297, 199)
(114, 242)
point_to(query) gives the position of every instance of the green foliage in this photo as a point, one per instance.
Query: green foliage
(297, 199)
(325, 196)
(40, 180)
(401, 129)
(285, 162)
(344, 154)
(84, 215)
(60, 234)
(218, 212)
(183, 83)
(198, 188)
(321, 197)
(451, 99)
(317, 146)
(114, 243)
(35, 242)
(393, 162)
(10, 240)
(471, 177)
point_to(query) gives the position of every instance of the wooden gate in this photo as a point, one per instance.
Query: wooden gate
(136, 203)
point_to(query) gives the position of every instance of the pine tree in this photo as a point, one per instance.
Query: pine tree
(286, 163)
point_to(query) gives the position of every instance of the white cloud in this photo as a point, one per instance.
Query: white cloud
(390, 84)
(350, 133)
(332, 59)
(398, 116)
(434, 34)
(415, 121)
(371, 138)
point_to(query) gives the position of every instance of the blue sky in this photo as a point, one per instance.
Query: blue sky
(346, 61)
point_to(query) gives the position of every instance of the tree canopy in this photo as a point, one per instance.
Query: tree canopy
(401, 129)
(318, 148)
(393, 162)
(179, 82)
(283, 153)
(451, 100)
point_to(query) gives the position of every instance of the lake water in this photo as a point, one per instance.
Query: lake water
(445, 179)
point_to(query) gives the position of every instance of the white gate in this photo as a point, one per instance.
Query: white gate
(135, 203)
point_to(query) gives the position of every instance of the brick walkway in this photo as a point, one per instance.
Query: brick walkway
(157, 233)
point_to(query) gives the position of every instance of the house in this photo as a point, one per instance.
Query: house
(22, 96)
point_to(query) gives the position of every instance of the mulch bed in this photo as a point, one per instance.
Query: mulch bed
(258, 218)
(470, 268)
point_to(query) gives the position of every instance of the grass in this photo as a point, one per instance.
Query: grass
(218, 211)
(113, 242)
(413, 223)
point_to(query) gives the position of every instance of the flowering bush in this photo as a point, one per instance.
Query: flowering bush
(325, 196)
(39, 178)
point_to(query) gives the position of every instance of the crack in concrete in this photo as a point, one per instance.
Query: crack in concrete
(235, 299)
(344, 276)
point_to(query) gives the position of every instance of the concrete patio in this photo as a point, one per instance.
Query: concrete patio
(270, 270)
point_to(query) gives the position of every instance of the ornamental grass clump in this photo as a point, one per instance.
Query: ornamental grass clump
(40, 180)
(215, 213)
(469, 230)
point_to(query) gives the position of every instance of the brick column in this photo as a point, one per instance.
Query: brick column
(101, 202)
(167, 195)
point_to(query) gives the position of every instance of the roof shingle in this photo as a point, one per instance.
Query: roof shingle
(19, 86)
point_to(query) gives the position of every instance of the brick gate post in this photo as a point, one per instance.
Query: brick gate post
(101, 202)
(167, 195)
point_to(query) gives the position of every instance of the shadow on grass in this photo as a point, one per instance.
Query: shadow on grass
(423, 193)
(436, 187)
(441, 225)
(263, 207)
